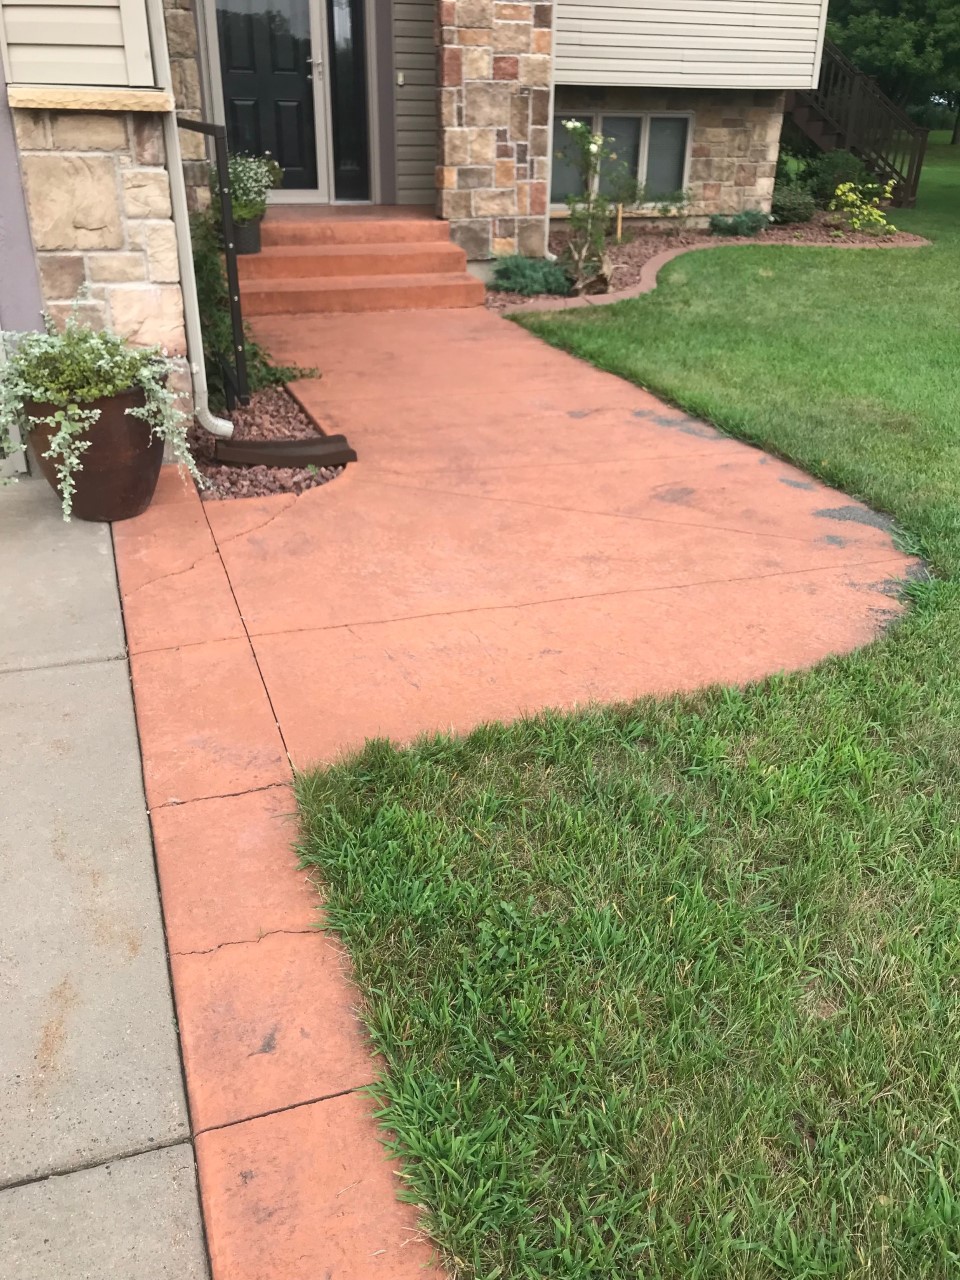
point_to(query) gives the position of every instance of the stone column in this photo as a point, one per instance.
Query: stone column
(495, 70)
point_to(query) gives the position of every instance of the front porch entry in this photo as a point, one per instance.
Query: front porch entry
(343, 93)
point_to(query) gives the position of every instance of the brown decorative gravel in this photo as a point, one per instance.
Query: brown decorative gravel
(272, 414)
(640, 245)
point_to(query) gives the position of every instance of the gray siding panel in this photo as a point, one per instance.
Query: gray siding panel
(702, 43)
(76, 42)
(415, 101)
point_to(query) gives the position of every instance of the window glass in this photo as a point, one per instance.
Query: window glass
(618, 176)
(666, 151)
(565, 176)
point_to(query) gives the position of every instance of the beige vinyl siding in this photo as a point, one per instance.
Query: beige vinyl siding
(761, 44)
(415, 101)
(76, 42)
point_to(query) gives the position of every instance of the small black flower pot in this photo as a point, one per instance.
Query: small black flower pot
(246, 236)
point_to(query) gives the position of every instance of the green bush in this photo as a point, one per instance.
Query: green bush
(792, 202)
(826, 172)
(529, 276)
(748, 223)
(215, 323)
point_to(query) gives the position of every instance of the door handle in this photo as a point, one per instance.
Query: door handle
(316, 66)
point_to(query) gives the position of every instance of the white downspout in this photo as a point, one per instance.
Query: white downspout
(220, 427)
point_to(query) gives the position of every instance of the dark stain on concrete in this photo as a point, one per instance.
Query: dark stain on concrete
(796, 484)
(689, 426)
(857, 515)
(268, 1044)
(679, 494)
(834, 540)
(580, 413)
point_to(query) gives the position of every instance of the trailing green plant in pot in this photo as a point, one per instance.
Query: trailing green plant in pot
(97, 412)
(251, 178)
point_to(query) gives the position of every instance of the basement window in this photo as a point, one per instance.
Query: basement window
(653, 148)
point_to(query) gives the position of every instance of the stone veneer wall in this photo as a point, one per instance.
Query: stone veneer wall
(495, 69)
(98, 200)
(181, 25)
(736, 138)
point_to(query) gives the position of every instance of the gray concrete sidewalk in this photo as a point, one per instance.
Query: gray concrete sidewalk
(97, 1174)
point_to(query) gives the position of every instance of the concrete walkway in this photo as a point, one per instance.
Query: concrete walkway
(97, 1173)
(521, 531)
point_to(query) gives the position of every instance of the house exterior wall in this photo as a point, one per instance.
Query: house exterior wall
(98, 202)
(104, 43)
(415, 101)
(734, 143)
(698, 43)
(180, 22)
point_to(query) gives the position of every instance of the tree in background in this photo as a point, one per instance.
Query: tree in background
(910, 47)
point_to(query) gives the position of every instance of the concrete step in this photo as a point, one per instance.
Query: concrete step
(345, 230)
(361, 293)
(295, 262)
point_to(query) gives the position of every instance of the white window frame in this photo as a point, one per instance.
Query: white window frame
(595, 116)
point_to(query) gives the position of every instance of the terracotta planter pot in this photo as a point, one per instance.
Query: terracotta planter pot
(120, 469)
(246, 236)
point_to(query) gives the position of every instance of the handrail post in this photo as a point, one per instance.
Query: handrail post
(236, 386)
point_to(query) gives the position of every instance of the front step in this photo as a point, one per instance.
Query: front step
(298, 262)
(347, 230)
(361, 293)
(315, 261)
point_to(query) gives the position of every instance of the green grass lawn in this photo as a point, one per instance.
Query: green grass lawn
(673, 989)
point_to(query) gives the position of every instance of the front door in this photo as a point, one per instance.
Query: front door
(282, 94)
(269, 80)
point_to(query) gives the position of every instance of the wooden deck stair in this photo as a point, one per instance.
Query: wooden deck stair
(315, 260)
(847, 110)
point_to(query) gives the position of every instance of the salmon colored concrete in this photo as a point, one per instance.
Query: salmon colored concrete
(307, 1192)
(354, 260)
(521, 531)
(251, 1042)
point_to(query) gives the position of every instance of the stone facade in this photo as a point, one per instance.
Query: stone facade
(495, 71)
(735, 142)
(181, 25)
(98, 201)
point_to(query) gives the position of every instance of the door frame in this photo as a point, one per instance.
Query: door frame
(211, 80)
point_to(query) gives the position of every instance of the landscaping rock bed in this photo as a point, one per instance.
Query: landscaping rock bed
(640, 245)
(272, 414)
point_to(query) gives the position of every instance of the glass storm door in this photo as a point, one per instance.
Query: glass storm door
(295, 84)
(272, 91)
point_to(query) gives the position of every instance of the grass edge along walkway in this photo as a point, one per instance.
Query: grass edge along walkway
(673, 989)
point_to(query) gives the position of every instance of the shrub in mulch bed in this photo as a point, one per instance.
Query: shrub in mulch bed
(640, 245)
(272, 414)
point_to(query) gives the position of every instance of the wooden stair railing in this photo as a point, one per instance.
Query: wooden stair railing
(847, 110)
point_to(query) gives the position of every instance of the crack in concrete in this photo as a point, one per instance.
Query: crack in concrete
(590, 595)
(245, 942)
(293, 1106)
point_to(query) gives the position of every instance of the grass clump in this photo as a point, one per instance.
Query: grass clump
(530, 276)
(670, 990)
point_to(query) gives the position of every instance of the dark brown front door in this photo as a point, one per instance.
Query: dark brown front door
(268, 85)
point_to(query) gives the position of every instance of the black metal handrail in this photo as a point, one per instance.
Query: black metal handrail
(869, 123)
(235, 383)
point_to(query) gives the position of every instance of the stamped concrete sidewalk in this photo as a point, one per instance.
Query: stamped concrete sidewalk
(521, 531)
(97, 1175)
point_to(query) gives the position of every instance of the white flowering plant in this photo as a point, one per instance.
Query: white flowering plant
(592, 207)
(67, 371)
(251, 178)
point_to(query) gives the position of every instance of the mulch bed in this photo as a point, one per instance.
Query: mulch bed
(640, 245)
(272, 414)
